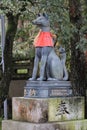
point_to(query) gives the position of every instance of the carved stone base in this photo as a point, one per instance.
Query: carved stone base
(48, 109)
(38, 89)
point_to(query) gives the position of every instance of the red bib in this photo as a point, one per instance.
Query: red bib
(43, 39)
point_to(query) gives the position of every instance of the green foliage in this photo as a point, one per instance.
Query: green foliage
(22, 50)
(58, 12)
(25, 47)
(82, 45)
(25, 10)
(83, 31)
(10, 6)
(0, 123)
(15, 7)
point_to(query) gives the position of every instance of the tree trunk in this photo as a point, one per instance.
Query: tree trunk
(20, 25)
(78, 75)
(6, 76)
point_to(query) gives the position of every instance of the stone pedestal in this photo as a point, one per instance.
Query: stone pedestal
(48, 109)
(46, 89)
(47, 105)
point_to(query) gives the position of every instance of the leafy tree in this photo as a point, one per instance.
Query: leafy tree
(78, 74)
(12, 9)
(24, 49)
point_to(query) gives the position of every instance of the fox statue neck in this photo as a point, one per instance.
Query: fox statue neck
(45, 29)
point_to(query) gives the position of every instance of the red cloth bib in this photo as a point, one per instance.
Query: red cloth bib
(43, 39)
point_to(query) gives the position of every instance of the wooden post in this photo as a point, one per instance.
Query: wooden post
(5, 110)
(2, 39)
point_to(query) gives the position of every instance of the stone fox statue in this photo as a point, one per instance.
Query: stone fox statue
(50, 63)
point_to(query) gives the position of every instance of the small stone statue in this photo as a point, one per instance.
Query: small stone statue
(51, 66)
(62, 53)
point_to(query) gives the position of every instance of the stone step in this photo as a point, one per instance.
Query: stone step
(67, 125)
(47, 109)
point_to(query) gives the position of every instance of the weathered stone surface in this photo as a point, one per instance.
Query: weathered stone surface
(48, 109)
(68, 125)
(61, 109)
(32, 110)
(39, 89)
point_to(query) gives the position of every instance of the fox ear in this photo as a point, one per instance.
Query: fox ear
(45, 15)
(39, 15)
